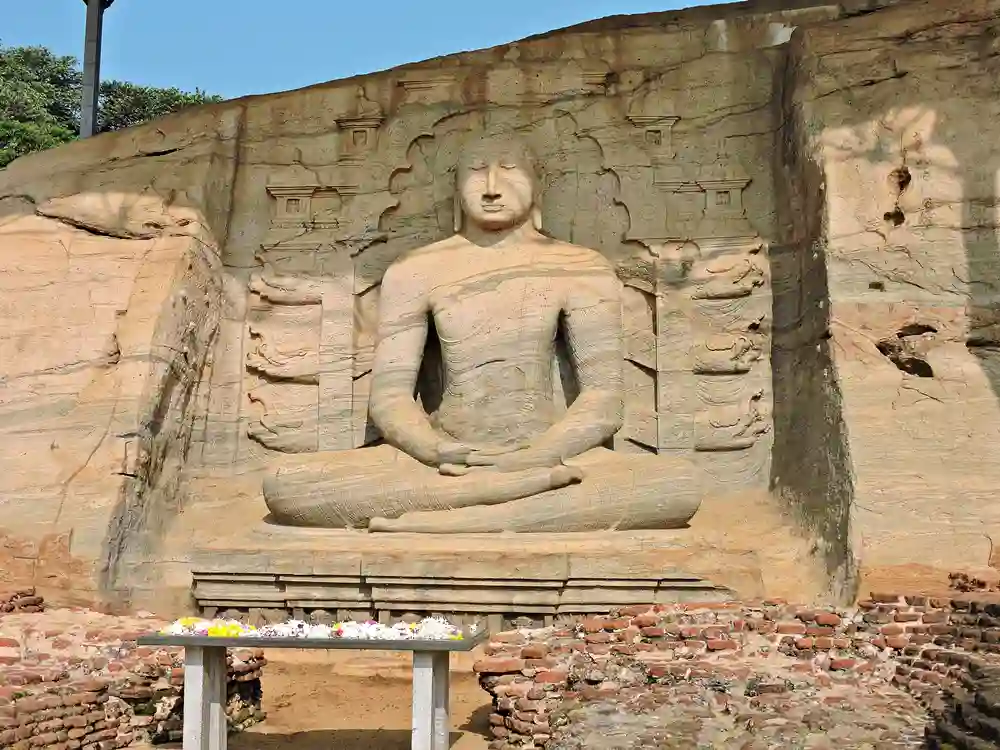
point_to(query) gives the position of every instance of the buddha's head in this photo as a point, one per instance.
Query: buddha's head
(497, 184)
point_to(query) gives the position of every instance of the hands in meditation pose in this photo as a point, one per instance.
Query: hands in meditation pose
(497, 454)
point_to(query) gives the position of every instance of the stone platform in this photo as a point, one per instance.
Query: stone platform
(271, 572)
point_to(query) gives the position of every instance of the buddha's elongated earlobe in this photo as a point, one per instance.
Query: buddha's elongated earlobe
(536, 217)
(457, 208)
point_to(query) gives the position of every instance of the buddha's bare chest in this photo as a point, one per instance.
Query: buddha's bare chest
(514, 308)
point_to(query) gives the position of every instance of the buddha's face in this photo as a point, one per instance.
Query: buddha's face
(496, 185)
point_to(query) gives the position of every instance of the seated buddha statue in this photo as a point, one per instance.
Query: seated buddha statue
(498, 453)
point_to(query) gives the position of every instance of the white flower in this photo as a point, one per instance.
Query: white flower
(429, 628)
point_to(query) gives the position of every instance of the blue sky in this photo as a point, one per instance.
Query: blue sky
(239, 47)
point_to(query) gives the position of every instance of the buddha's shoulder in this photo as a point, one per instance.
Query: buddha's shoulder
(424, 259)
(435, 250)
(576, 255)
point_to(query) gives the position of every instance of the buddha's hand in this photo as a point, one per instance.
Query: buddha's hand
(452, 453)
(520, 459)
(457, 459)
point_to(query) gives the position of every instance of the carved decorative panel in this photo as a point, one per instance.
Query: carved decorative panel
(283, 355)
(707, 283)
(665, 201)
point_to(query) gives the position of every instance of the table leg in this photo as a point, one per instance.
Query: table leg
(205, 698)
(431, 722)
(442, 717)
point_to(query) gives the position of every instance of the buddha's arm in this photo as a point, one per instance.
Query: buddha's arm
(402, 332)
(593, 327)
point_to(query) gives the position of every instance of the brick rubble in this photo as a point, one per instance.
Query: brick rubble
(74, 679)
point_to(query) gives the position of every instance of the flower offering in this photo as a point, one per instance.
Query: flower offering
(428, 629)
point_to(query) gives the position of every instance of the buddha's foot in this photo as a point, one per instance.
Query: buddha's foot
(434, 522)
(383, 524)
(564, 475)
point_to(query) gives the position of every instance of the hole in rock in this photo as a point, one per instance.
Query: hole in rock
(915, 366)
(892, 349)
(977, 341)
(895, 216)
(877, 285)
(915, 329)
(900, 178)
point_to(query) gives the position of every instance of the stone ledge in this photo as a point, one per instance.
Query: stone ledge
(269, 598)
(326, 574)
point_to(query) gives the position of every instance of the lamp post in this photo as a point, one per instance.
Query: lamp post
(92, 65)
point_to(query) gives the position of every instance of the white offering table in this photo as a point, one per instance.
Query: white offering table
(205, 673)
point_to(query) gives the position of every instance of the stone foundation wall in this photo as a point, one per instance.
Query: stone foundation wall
(74, 679)
(945, 653)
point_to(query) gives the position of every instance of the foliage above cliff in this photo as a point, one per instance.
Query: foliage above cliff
(40, 95)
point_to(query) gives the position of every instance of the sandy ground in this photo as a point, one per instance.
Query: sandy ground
(355, 701)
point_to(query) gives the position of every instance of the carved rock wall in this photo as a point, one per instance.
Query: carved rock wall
(811, 468)
(654, 143)
(806, 232)
(899, 183)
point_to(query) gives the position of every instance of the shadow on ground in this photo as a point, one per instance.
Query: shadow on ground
(331, 739)
(478, 724)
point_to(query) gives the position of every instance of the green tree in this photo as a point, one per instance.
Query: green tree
(123, 105)
(40, 101)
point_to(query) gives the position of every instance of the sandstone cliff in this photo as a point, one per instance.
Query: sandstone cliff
(865, 136)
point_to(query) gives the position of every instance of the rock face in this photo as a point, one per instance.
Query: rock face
(113, 294)
(885, 356)
(797, 201)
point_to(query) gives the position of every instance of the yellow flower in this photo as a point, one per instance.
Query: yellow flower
(223, 629)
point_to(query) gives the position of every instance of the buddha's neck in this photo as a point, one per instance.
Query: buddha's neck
(500, 239)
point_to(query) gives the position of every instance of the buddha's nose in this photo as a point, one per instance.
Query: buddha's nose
(491, 183)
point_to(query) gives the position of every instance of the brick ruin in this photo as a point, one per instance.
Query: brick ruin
(895, 669)
(73, 679)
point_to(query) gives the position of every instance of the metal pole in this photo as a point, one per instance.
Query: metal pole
(92, 65)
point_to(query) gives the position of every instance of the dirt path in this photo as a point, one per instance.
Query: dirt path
(355, 701)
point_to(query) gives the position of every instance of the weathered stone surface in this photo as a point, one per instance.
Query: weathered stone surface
(113, 286)
(887, 268)
(799, 206)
